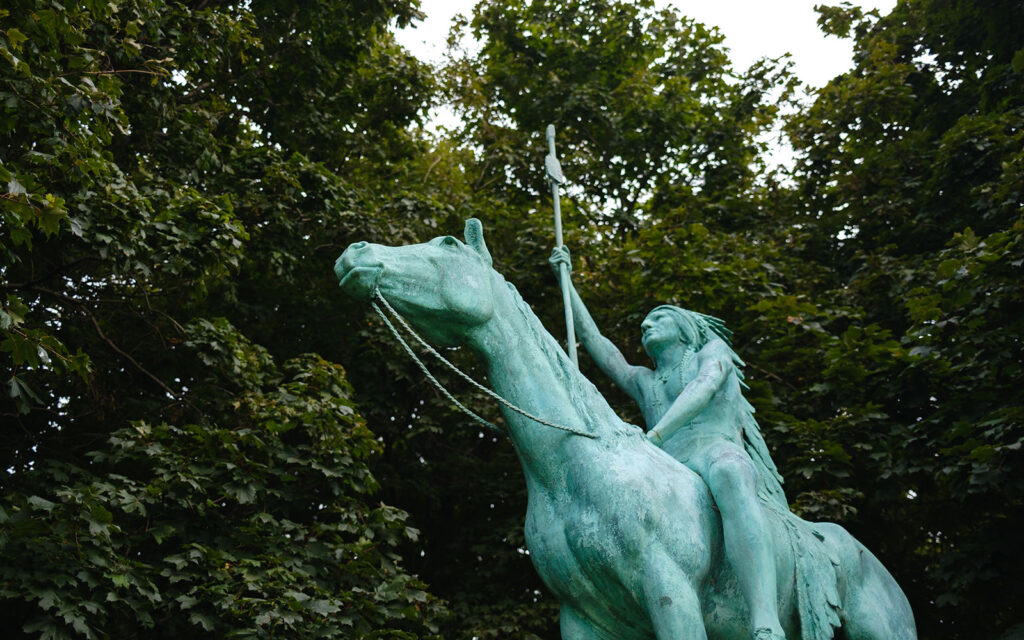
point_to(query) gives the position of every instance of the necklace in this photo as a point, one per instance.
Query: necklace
(664, 377)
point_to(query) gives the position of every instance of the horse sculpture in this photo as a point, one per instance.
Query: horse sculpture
(627, 538)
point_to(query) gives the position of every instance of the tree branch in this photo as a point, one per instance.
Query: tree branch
(110, 343)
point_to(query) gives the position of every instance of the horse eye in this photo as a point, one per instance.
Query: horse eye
(449, 241)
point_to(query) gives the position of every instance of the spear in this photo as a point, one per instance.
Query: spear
(556, 179)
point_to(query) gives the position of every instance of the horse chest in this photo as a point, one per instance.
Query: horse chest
(582, 555)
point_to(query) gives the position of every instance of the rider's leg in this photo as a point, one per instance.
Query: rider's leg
(748, 540)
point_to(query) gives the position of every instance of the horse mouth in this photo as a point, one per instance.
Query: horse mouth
(361, 282)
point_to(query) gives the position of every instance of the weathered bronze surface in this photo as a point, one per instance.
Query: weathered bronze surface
(627, 537)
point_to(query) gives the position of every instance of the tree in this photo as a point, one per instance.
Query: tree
(158, 460)
(259, 524)
(645, 102)
(910, 188)
(179, 177)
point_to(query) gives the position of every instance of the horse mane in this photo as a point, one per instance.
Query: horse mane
(584, 396)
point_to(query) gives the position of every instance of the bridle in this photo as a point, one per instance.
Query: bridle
(377, 296)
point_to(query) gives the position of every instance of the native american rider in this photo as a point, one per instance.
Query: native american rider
(695, 410)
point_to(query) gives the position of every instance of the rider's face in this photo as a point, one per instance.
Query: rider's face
(657, 330)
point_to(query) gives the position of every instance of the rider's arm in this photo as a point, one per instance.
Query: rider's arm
(714, 367)
(608, 358)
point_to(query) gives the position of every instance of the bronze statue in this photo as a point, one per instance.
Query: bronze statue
(628, 539)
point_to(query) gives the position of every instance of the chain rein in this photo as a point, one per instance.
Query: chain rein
(378, 297)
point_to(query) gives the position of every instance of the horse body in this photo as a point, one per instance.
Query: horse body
(590, 538)
(640, 545)
(627, 538)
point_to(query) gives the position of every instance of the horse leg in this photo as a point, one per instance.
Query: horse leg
(671, 601)
(574, 627)
(874, 606)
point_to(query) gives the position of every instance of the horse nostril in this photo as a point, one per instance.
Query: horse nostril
(348, 257)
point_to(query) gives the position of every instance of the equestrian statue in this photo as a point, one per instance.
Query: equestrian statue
(680, 534)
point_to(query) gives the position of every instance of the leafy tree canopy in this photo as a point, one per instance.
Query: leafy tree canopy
(183, 453)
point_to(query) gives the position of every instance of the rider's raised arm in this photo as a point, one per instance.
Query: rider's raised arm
(715, 360)
(607, 356)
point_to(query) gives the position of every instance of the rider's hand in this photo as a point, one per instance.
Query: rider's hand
(560, 256)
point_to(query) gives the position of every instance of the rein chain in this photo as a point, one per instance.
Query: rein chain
(377, 296)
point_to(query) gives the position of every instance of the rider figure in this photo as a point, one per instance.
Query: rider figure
(694, 409)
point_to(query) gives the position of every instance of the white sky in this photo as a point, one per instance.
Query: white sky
(752, 28)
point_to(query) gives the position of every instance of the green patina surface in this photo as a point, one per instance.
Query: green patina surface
(624, 532)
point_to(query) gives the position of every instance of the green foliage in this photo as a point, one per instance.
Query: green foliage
(642, 100)
(923, 138)
(261, 525)
(162, 475)
(966, 328)
(130, 133)
(464, 487)
(178, 178)
(910, 188)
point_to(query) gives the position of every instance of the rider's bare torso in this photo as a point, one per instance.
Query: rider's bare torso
(715, 423)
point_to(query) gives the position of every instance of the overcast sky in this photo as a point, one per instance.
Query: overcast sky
(752, 29)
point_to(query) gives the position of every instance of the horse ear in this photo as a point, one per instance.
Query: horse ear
(475, 239)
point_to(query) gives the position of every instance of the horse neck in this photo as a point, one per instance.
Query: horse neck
(528, 368)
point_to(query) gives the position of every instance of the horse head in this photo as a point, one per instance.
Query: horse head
(444, 286)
